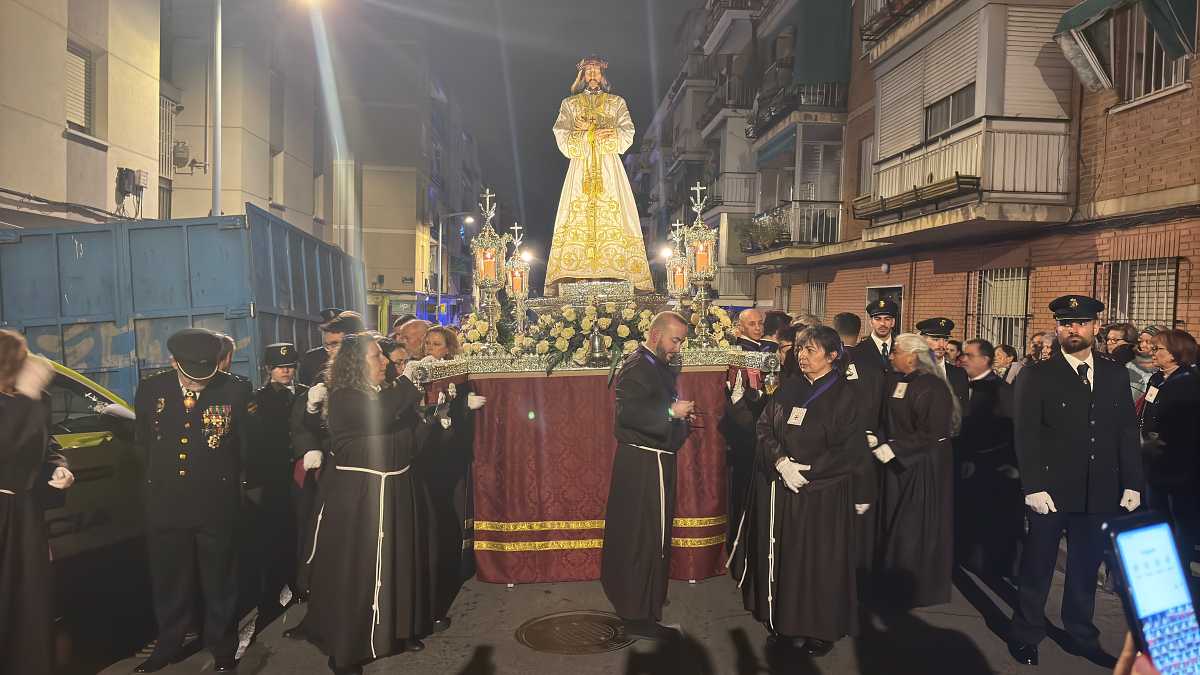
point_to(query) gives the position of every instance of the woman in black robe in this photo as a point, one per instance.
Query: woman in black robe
(369, 561)
(797, 570)
(26, 598)
(916, 504)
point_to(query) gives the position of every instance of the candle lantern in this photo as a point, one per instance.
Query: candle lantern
(677, 265)
(516, 271)
(700, 242)
(489, 248)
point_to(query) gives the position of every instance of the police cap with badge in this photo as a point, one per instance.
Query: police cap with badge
(883, 307)
(937, 327)
(196, 352)
(281, 355)
(1075, 308)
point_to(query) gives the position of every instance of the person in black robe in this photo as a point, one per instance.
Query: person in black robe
(915, 540)
(650, 427)
(26, 467)
(369, 591)
(798, 556)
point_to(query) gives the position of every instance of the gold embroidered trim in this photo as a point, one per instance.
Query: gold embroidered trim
(699, 542)
(562, 544)
(546, 525)
(700, 522)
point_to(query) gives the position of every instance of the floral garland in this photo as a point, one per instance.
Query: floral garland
(564, 334)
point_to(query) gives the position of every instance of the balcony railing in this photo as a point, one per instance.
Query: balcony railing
(880, 16)
(733, 282)
(821, 95)
(778, 75)
(795, 223)
(733, 188)
(992, 155)
(716, 8)
(731, 92)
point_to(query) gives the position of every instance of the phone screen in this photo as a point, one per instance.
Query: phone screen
(1160, 596)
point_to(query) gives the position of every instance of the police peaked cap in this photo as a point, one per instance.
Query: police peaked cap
(281, 354)
(1076, 308)
(196, 352)
(938, 327)
(883, 306)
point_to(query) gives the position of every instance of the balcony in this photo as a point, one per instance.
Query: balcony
(880, 16)
(734, 283)
(734, 190)
(1009, 169)
(727, 27)
(795, 223)
(731, 93)
(827, 96)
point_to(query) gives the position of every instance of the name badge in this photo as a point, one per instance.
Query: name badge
(797, 416)
(851, 372)
(901, 390)
(1151, 394)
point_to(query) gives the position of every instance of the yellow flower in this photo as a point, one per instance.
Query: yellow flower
(695, 318)
(644, 325)
(543, 346)
(628, 314)
(607, 341)
(586, 324)
(580, 356)
(561, 344)
(473, 335)
(610, 307)
(590, 310)
(567, 333)
(604, 322)
(645, 314)
(545, 320)
(631, 305)
(528, 342)
(556, 329)
(623, 331)
(482, 326)
(568, 313)
(723, 344)
(629, 346)
(725, 321)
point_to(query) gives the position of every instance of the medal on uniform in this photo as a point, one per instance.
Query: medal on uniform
(189, 399)
(216, 424)
(797, 416)
(1151, 394)
(160, 405)
(901, 390)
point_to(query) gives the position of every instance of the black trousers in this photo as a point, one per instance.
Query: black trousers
(177, 557)
(1085, 552)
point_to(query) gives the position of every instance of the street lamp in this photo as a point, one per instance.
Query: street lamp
(468, 219)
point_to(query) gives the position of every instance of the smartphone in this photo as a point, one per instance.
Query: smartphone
(1154, 591)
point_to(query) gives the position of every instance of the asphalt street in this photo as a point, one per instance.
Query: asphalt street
(962, 638)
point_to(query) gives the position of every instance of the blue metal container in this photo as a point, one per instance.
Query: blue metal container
(103, 299)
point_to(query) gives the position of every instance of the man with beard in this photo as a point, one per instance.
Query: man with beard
(877, 346)
(313, 362)
(1077, 443)
(936, 332)
(650, 426)
(750, 331)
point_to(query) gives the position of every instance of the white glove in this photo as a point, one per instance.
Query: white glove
(1131, 500)
(62, 478)
(312, 460)
(114, 409)
(410, 370)
(317, 394)
(1041, 503)
(446, 422)
(738, 390)
(861, 508)
(475, 401)
(872, 440)
(884, 453)
(33, 377)
(452, 391)
(791, 472)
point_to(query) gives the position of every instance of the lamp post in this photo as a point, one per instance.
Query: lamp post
(468, 219)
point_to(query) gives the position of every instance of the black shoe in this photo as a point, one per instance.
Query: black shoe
(1023, 653)
(226, 664)
(650, 630)
(413, 645)
(1092, 651)
(441, 624)
(815, 647)
(296, 632)
(344, 670)
(153, 664)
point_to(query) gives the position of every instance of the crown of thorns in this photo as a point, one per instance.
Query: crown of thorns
(592, 61)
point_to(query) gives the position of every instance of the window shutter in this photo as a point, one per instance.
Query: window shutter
(951, 59)
(1037, 79)
(900, 108)
(866, 168)
(78, 85)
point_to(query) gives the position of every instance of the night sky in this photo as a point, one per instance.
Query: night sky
(542, 40)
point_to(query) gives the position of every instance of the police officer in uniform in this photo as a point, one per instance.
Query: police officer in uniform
(1077, 444)
(936, 332)
(268, 478)
(190, 425)
(313, 362)
(878, 345)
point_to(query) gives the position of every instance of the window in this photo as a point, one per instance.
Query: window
(866, 166)
(1141, 292)
(816, 298)
(1002, 305)
(1140, 67)
(951, 111)
(80, 88)
(275, 177)
(164, 199)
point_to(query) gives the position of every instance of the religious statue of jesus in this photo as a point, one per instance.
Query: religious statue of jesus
(597, 234)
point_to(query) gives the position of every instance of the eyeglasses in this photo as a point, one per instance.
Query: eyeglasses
(1156, 348)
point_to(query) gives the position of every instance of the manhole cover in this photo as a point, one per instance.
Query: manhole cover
(582, 632)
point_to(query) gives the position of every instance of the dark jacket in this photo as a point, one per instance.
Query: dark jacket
(957, 378)
(865, 353)
(986, 437)
(193, 459)
(863, 372)
(1171, 427)
(1079, 445)
(269, 456)
(312, 364)
(645, 388)
(748, 345)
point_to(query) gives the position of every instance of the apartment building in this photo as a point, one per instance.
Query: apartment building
(986, 173)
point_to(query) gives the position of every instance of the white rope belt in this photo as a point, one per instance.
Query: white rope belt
(383, 476)
(662, 497)
(771, 562)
